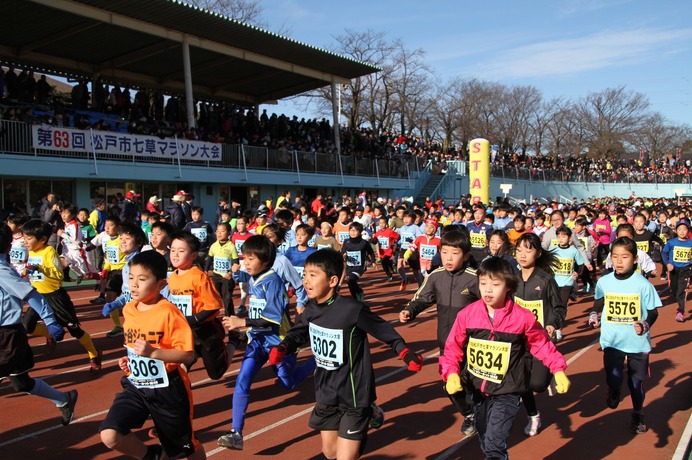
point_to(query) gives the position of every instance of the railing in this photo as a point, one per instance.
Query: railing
(16, 138)
(422, 179)
(448, 178)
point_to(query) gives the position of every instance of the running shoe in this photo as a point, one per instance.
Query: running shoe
(390, 278)
(613, 399)
(50, 345)
(638, 426)
(533, 426)
(95, 364)
(558, 335)
(679, 317)
(359, 297)
(377, 417)
(98, 301)
(67, 409)
(402, 286)
(231, 440)
(468, 428)
(117, 331)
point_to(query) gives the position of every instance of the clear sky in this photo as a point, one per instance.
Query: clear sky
(565, 48)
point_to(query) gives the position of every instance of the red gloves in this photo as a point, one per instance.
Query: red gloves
(276, 354)
(414, 361)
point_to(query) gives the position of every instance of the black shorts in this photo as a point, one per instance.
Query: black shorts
(209, 345)
(351, 422)
(637, 363)
(114, 281)
(16, 356)
(63, 308)
(170, 409)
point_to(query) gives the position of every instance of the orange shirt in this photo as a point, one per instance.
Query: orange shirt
(163, 326)
(340, 232)
(514, 235)
(193, 292)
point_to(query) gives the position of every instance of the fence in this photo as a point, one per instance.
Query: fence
(16, 138)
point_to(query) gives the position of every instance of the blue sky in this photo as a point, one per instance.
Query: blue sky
(564, 48)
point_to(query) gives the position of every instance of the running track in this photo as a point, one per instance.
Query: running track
(420, 423)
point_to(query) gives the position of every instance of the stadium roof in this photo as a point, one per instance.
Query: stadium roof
(139, 42)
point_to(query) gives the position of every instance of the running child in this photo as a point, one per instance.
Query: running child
(459, 277)
(645, 266)
(358, 254)
(161, 241)
(498, 246)
(45, 274)
(19, 254)
(132, 239)
(16, 356)
(408, 232)
(326, 239)
(337, 328)
(202, 231)
(496, 330)
(73, 255)
(627, 303)
(298, 253)
(590, 243)
(238, 238)
(267, 321)
(426, 246)
(221, 257)
(386, 240)
(191, 290)
(538, 292)
(282, 266)
(158, 341)
(677, 255)
(342, 225)
(566, 270)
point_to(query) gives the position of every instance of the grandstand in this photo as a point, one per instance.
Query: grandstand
(175, 49)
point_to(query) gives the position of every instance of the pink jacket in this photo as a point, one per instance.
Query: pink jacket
(603, 230)
(512, 325)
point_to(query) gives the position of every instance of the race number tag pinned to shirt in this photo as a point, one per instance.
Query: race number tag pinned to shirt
(682, 254)
(534, 306)
(327, 346)
(146, 372)
(311, 241)
(113, 254)
(564, 266)
(406, 240)
(183, 302)
(239, 247)
(622, 308)
(36, 276)
(353, 259)
(478, 240)
(643, 246)
(554, 242)
(200, 233)
(427, 251)
(383, 242)
(488, 360)
(300, 270)
(255, 310)
(342, 236)
(222, 265)
(584, 242)
(18, 255)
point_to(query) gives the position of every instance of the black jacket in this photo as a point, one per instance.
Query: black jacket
(451, 291)
(541, 286)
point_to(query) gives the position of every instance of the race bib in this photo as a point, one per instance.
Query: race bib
(353, 259)
(323, 246)
(300, 270)
(383, 242)
(342, 236)
(222, 264)
(200, 233)
(113, 254)
(584, 242)
(600, 228)
(478, 240)
(283, 247)
(643, 245)
(239, 247)
(488, 360)
(18, 255)
(183, 302)
(534, 306)
(255, 312)
(327, 346)
(564, 266)
(311, 241)
(682, 254)
(663, 238)
(126, 292)
(85, 234)
(146, 372)
(554, 242)
(622, 308)
(406, 240)
(428, 251)
(36, 276)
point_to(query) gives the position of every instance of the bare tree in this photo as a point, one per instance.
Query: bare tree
(659, 137)
(611, 120)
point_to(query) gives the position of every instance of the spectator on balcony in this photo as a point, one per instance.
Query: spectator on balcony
(43, 91)
(174, 209)
(80, 95)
